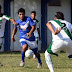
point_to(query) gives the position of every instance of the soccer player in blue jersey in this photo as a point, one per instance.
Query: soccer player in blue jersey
(27, 38)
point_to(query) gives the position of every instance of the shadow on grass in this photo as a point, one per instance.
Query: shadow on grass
(10, 52)
(18, 52)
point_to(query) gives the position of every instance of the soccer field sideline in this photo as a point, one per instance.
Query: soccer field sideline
(11, 63)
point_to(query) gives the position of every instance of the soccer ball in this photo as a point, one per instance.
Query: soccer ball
(29, 53)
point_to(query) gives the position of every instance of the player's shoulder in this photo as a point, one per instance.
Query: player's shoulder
(66, 22)
(27, 18)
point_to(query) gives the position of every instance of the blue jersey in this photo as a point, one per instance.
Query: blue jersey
(25, 27)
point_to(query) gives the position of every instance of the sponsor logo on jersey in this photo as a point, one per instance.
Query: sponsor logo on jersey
(24, 26)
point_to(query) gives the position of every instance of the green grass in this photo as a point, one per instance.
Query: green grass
(11, 63)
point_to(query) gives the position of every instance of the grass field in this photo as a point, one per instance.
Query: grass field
(11, 63)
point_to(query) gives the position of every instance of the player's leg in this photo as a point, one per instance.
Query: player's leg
(68, 48)
(49, 61)
(35, 50)
(48, 58)
(34, 47)
(54, 48)
(24, 47)
(36, 39)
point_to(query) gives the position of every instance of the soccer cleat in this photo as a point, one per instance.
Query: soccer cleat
(1, 64)
(22, 64)
(39, 65)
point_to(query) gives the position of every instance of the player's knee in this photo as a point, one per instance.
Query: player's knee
(24, 47)
(46, 53)
(48, 58)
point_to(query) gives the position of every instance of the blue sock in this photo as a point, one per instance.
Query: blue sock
(23, 55)
(38, 58)
(35, 50)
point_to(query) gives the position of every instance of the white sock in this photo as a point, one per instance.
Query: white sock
(51, 67)
(49, 61)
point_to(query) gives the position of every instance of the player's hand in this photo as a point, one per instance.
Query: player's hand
(28, 35)
(58, 30)
(12, 38)
(14, 23)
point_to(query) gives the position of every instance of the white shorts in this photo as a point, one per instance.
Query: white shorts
(32, 44)
(57, 46)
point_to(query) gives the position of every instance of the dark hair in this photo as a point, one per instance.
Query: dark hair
(21, 10)
(0, 7)
(33, 12)
(59, 15)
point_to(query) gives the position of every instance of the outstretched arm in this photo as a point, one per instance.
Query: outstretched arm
(9, 18)
(52, 30)
(13, 34)
(13, 21)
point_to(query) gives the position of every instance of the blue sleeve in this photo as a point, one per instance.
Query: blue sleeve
(31, 22)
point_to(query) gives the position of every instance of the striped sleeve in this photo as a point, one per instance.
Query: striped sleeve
(6, 17)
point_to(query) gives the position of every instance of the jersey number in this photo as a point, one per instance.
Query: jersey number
(63, 26)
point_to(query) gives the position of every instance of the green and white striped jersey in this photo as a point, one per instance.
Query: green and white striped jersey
(37, 26)
(3, 19)
(66, 29)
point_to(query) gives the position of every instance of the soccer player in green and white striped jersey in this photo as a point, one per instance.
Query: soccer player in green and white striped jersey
(37, 30)
(62, 38)
(3, 19)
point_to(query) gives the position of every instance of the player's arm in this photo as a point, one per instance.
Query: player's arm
(33, 25)
(49, 26)
(13, 34)
(9, 18)
(31, 31)
(13, 21)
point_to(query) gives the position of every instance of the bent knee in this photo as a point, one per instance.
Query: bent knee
(46, 53)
